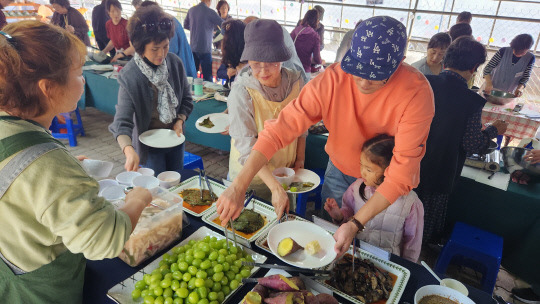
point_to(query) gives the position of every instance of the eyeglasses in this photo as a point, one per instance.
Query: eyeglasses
(258, 66)
(161, 26)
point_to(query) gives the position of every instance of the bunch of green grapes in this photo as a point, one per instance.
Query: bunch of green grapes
(201, 272)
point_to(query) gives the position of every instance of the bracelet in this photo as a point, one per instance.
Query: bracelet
(357, 223)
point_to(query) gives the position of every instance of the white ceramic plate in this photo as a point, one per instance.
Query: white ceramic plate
(121, 292)
(267, 211)
(99, 67)
(262, 241)
(161, 138)
(193, 183)
(399, 271)
(220, 121)
(303, 233)
(305, 175)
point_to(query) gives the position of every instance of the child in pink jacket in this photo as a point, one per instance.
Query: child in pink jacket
(398, 229)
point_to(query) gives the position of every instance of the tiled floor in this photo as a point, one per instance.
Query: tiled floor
(99, 144)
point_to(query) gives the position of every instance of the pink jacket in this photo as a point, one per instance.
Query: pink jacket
(397, 229)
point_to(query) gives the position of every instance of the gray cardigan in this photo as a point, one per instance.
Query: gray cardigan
(135, 96)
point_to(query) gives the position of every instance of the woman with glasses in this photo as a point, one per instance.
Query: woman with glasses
(258, 94)
(71, 19)
(154, 93)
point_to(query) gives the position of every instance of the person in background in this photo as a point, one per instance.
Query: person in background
(398, 229)
(345, 44)
(306, 40)
(259, 94)
(510, 68)
(154, 93)
(294, 63)
(320, 26)
(99, 19)
(70, 19)
(179, 45)
(464, 17)
(356, 100)
(136, 3)
(3, 20)
(222, 8)
(200, 21)
(432, 63)
(460, 29)
(231, 50)
(456, 131)
(117, 32)
(52, 217)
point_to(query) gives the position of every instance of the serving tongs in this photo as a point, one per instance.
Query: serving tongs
(256, 280)
(227, 236)
(249, 196)
(288, 268)
(212, 194)
(201, 185)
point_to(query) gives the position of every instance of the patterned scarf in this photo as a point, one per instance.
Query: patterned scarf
(167, 101)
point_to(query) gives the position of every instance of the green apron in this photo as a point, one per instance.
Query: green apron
(60, 281)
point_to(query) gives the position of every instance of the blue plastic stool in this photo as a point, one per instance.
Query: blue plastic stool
(474, 248)
(73, 129)
(192, 161)
(302, 199)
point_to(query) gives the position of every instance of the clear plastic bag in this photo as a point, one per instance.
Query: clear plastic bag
(157, 228)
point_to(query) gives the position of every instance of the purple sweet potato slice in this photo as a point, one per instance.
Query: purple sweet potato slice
(278, 282)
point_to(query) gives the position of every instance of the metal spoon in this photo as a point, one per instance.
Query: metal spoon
(431, 271)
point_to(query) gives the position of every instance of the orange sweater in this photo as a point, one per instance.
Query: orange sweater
(403, 108)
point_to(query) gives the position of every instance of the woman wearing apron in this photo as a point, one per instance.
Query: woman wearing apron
(510, 68)
(52, 218)
(260, 93)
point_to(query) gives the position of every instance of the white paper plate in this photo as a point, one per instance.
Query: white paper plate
(193, 183)
(399, 271)
(161, 138)
(220, 121)
(262, 241)
(303, 233)
(267, 211)
(305, 175)
(121, 292)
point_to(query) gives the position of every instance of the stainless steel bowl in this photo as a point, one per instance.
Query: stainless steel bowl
(513, 160)
(500, 97)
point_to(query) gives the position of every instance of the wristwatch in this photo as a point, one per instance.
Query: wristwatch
(357, 223)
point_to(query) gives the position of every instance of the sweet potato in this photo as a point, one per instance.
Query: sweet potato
(288, 246)
(296, 297)
(282, 298)
(298, 281)
(309, 298)
(261, 290)
(252, 298)
(325, 298)
(278, 282)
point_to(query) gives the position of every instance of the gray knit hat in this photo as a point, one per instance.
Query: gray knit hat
(264, 42)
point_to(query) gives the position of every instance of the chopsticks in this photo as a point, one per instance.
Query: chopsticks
(282, 267)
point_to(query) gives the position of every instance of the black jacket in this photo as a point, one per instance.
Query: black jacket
(445, 156)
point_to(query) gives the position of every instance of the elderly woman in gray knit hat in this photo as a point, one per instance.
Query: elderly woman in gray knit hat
(259, 93)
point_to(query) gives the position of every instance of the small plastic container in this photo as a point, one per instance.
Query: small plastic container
(168, 179)
(198, 87)
(284, 175)
(146, 171)
(158, 227)
(145, 181)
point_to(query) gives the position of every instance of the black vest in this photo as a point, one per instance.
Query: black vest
(445, 156)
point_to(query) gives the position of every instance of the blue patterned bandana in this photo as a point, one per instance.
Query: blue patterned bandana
(377, 48)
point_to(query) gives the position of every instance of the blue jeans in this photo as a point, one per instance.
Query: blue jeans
(167, 159)
(205, 60)
(335, 183)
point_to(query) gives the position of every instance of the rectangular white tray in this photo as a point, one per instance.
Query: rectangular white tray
(193, 182)
(264, 209)
(401, 272)
(121, 292)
